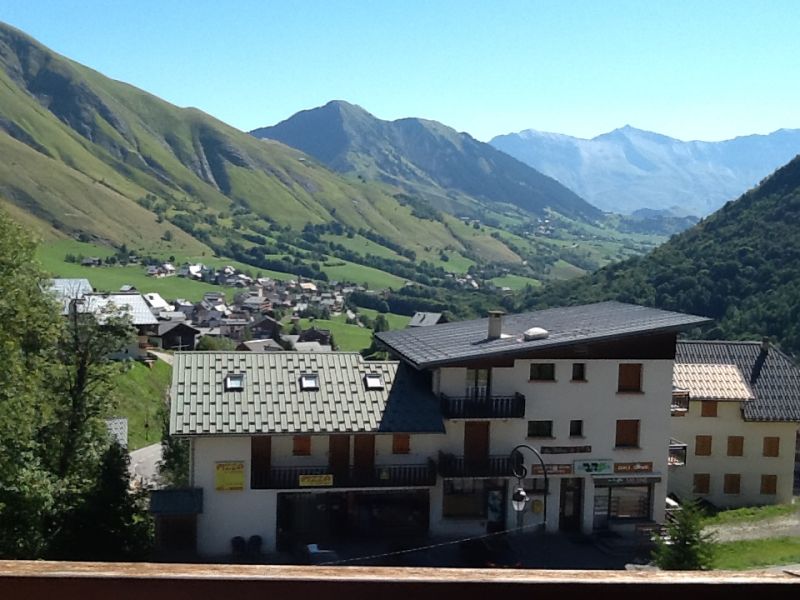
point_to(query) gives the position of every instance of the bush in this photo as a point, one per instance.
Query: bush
(685, 547)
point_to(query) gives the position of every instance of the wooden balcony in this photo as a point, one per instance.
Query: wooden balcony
(288, 478)
(451, 465)
(483, 407)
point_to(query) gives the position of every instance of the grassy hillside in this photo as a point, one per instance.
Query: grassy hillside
(740, 266)
(140, 393)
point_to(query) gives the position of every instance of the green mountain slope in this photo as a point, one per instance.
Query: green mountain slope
(741, 266)
(452, 170)
(85, 154)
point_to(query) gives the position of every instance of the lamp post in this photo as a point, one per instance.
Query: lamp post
(519, 499)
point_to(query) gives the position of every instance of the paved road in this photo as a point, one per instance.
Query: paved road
(165, 356)
(144, 465)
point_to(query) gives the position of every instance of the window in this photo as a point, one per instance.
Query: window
(260, 460)
(543, 372)
(630, 378)
(477, 383)
(769, 484)
(735, 445)
(401, 443)
(732, 483)
(627, 433)
(576, 429)
(578, 371)
(234, 382)
(702, 445)
(540, 429)
(772, 446)
(534, 485)
(373, 381)
(702, 483)
(708, 408)
(309, 382)
(301, 445)
(465, 498)
(622, 502)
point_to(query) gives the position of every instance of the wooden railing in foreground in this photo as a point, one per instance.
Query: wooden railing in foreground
(135, 581)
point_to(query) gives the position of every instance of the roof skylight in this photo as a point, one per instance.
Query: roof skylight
(234, 382)
(309, 381)
(373, 381)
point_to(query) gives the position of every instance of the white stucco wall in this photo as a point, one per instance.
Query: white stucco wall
(750, 466)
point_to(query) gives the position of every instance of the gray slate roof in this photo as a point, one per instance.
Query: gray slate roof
(464, 340)
(424, 319)
(772, 376)
(130, 304)
(272, 401)
(65, 290)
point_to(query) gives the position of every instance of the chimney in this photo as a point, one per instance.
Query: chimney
(495, 324)
(764, 345)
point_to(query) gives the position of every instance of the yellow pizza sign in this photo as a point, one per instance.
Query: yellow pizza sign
(229, 476)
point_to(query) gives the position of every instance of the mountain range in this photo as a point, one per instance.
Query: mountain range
(629, 169)
(452, 171)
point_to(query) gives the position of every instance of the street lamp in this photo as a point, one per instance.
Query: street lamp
(519, 499)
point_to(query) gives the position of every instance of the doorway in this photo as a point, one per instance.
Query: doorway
(476, 447)
(569, 512)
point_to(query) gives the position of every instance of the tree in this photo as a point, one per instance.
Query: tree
(685, 547)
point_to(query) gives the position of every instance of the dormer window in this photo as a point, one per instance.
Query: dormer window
(309, 381)
(234, 382)
(373, 381)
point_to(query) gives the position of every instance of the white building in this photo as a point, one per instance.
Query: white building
(737, 408)
(320, 446)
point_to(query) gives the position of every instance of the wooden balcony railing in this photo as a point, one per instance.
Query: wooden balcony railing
(487, 466)
(486, 407)
(286, 478)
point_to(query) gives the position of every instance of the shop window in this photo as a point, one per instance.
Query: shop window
(772, 446)
(769, 484)
(735, 445)
(401, 443)
(702, 445)
(576, 428)
(708, 408)
(702, 483)
(732, 483)
(627, 433)
(540, 429)
(622, 503)
(543, 372)
(578, 371)
(301, 445)
(630, 377)
(464, 498)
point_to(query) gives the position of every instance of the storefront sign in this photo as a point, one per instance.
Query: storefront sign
(594, 467)
(565, 449)
(229, 476)
(321, 480)
(553, 469)
(625, 481)
(637, 467)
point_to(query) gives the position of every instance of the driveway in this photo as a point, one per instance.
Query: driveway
(144, 465)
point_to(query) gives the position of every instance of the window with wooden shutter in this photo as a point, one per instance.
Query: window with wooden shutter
(630, 378)
(702, 483)
(735, 445)
(769, 484)
(702, 445)
(772, 446)
(732, 483)
(401, 443)
(708, 408)
(301, 445)
(627, 433)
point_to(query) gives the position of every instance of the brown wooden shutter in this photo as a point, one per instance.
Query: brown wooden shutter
(735, 445)
(772, 446)
(702, 445)
(702, 483)
(708, 408)
(732, 483)
(630, 378)
(769, 484)
(627, 433)
(401, 443)
(301, 445)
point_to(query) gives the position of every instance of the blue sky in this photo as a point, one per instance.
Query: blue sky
(694, 70)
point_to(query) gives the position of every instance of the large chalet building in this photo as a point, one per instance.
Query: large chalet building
(312, 447)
